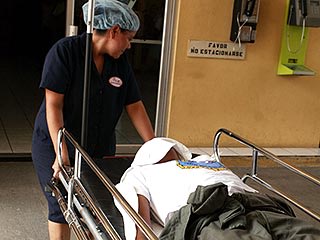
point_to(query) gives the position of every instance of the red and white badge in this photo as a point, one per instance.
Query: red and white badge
(115, 81)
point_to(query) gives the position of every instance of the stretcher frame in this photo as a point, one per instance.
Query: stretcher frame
(256, 151)
(88, 221)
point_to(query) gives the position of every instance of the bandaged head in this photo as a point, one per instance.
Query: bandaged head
(155, 149)
(109, 13)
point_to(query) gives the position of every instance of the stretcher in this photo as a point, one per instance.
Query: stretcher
(86, 192)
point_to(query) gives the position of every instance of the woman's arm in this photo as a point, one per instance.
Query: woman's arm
(144, 212)
(54, 114)
(139, 118)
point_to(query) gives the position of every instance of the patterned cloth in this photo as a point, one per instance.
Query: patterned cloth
(213, 165)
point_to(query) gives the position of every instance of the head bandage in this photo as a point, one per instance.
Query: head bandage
(108, 13)
(155, 149)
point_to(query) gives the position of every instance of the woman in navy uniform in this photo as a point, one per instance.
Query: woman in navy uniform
(113, 88)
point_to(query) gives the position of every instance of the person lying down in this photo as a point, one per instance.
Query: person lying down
(198, 198)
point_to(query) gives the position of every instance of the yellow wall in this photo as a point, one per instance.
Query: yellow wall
(245, 96)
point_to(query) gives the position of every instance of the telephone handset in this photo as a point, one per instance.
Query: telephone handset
(249, 11)
(249, 8)
(304, 8)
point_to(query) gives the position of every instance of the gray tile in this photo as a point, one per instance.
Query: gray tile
(4, 143)
(126, 133)
(23, 206)
(279, 151)
(316, 151)
(300, 151)
(197, 150)
(20, 140)
(241, 151)
(227, 152)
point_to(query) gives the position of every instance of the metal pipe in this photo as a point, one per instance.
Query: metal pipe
(112, 189)
(89, 220)
(100, 214)
(70, 182)
(77, 165)
(278, 192)
(262, 151)
(73, 222)
(75, 186)
(255, 152)
(71, 29)
(216, 145)
(254, 162)
(87, 75)
(70, 193)
(165, 68)
(59, 145)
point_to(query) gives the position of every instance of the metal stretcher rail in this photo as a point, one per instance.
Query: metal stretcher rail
(79, 198)
(94, 224)
(254, 170)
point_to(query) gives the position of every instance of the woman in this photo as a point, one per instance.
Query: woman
(113, 87)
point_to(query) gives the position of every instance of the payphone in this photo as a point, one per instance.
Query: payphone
(244, 20)
(300, 16)
(304, 13)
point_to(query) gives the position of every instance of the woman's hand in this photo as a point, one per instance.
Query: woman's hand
(65, 161)
(56, 168)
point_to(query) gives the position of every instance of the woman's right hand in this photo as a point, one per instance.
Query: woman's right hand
(56, 168)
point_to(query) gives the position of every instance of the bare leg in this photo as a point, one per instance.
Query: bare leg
(58, 231)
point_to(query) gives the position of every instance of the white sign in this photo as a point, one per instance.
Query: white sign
(210, 49)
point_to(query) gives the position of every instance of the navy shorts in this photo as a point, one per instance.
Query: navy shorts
(43, 156)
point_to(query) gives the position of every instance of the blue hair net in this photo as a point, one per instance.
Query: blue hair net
(108, 13)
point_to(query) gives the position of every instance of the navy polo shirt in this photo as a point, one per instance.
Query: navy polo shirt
(115, 88)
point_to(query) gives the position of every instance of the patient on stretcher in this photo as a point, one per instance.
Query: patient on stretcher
(165, 183)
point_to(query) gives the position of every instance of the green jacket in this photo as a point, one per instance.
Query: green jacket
(212, 204)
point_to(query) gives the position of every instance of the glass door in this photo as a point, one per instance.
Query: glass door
(144, 55)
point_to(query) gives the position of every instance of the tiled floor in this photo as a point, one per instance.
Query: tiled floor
(19, 99)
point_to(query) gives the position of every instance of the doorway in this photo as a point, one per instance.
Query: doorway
(145, 56)
(30, 29)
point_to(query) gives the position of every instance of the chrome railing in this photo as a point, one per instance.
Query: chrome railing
(256, 150)
(80, 199)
